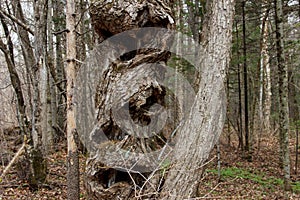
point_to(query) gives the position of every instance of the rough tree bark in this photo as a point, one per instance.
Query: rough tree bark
(196, 136)
(283, 95)
(110, 18)
(39, 74)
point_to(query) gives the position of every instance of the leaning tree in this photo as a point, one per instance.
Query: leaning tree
(144, 143)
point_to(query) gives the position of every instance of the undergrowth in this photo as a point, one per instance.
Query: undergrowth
(257, 177)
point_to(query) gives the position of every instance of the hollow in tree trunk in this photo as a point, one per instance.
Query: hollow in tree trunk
(131, 81)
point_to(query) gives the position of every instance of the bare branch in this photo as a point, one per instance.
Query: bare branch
(2, 88)
(61, 32)
(16, 20)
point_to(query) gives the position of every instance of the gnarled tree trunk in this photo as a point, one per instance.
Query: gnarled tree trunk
(130, 96)
(125, 73)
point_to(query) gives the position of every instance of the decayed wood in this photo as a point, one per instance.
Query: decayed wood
(109, 102)
(138, 71)
(131, 82)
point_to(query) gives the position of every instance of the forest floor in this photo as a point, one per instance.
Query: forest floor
(260, 178)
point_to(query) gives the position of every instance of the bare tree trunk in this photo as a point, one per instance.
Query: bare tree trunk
(72, 138)
(294, 111)
(283, 95)
(297, 149)
(26, 46)
(246, 114)
(51, 89)
(14, 77)
(265, 93)
(265, 74)
(199, 134)
(39, 70)
(240, 116)
(268, 96)
(60, 80)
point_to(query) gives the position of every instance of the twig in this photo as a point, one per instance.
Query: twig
(20, 151)
(79, 61)
(206, 195)
(2, 88)
(14, 186)
(197, 168)
(54, 174)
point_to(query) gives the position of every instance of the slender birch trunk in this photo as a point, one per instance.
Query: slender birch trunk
(265, 75)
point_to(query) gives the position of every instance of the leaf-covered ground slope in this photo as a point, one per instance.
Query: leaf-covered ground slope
(240, 179)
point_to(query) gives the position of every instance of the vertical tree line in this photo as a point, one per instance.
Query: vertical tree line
(264, 51)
